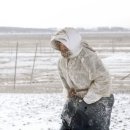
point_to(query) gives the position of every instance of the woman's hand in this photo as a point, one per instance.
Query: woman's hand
(71, 93)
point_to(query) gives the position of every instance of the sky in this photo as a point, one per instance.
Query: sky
(65, 13)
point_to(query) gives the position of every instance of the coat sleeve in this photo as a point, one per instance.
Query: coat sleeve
(63, 80)
(100, 79)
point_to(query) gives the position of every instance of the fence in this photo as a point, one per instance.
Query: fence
(32, 67)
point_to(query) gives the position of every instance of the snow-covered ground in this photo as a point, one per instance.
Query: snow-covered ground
(42, 111)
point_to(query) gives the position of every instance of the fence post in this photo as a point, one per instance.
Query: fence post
(34, 63)
(113, 47)
(15, 65)
(40, 47)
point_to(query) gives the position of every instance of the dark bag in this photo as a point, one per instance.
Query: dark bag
(73, 115)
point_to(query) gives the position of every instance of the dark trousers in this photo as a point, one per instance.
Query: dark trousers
(78, 115)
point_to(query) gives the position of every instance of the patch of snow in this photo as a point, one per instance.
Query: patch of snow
(42, 111)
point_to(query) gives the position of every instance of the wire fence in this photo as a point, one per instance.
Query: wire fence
(29, 66)
(34, 66)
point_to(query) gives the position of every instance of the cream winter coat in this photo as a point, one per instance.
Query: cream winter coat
(83, 69)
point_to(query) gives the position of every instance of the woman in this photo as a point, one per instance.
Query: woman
(86, 83)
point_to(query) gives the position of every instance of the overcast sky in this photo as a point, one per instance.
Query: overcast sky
(61, 13)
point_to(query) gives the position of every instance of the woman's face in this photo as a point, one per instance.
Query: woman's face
(63, 49)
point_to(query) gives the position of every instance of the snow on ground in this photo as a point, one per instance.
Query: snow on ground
(42, 111)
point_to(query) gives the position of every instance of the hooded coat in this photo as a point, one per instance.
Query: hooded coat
(83, 69)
